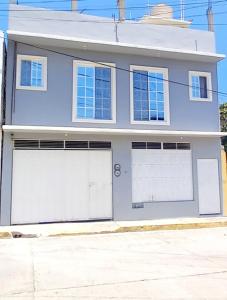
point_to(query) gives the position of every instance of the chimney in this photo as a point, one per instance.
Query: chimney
(121, 6)
(210, 17)
(73, 5)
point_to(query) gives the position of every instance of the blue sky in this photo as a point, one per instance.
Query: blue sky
(195, 11)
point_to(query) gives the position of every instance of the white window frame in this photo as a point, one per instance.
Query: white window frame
(209, 86)
(112, 66)
(165, 72)
(40, 59)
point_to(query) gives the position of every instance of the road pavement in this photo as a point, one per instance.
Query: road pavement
(183, 264)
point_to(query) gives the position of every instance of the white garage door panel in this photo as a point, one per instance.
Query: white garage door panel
(208, 184)
(100, 183)
(156, 171)
(162, 175)
(55, 185)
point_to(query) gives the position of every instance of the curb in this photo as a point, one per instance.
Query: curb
(121, 229)
(171, 227)
(145, 228)
(5, 235)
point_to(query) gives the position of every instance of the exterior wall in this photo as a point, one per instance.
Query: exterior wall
(54, 107)
(122, 186)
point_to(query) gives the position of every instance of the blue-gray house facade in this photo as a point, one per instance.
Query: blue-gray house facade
(108, 121)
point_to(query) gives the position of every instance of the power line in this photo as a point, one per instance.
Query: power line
(215, 13)
(199, 4)
(107, 22)
(224, 94)
(103, 21)
(110, 21)
(46, 1)
(69, 1)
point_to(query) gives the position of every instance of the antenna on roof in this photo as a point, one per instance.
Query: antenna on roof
(210, 16)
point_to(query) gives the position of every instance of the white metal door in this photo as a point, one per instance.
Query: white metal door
(100, 175)
(61, 185)
(208, 186)
(161, 175)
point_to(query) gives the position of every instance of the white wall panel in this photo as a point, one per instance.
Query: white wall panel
(208, 184)
(161, 175)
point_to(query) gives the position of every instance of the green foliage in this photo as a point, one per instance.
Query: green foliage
(223, 118)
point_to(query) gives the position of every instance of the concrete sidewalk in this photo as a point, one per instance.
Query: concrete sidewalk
(86, 228)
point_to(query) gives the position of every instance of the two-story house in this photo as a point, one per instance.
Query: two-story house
(109, 120)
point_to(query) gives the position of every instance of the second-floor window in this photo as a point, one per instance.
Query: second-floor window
(149, 95)
(31, 72)
(200, 86)
(94, 92)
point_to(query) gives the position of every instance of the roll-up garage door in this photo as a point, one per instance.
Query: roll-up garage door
(61, 185)
(161, 175)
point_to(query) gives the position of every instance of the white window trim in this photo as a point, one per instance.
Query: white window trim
(164, 71)
(76, 63)
(209, 86)
(41, 59)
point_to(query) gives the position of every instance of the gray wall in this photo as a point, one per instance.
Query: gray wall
(54, 107)
(122, 186)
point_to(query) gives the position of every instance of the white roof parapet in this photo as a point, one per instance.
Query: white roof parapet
(101, 45)
(57, 28)
(108, 131)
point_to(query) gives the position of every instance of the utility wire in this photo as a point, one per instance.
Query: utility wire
(107, 22)
(224, 94)
(128, 21)
(199, 4)
(202, 15)
(118, 68)
(103, 21)
(22, 3)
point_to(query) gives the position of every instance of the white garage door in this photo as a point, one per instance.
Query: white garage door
(161, 175)
(61, 185)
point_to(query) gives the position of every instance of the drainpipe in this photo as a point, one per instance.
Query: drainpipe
(73, 5)
(121, 7)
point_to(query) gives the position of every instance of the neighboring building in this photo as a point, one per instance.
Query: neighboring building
(109, 121)
(2, 70)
